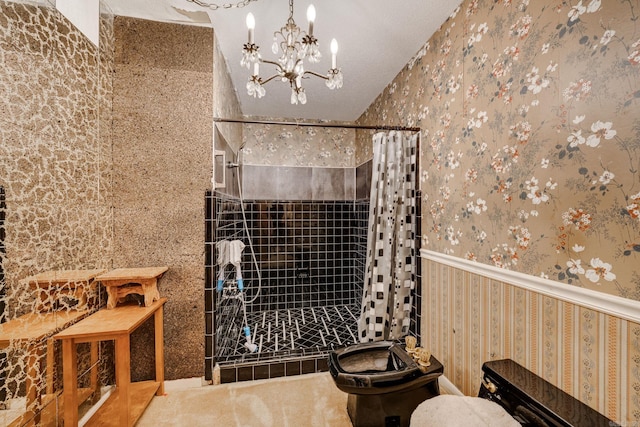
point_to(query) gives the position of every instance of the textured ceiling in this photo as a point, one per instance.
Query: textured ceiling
(376, 39)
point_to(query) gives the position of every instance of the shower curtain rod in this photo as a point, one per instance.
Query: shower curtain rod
(323, 125)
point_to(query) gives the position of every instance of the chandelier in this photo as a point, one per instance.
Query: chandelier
(294, 46)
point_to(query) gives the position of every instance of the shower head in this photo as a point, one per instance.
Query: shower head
(232, 165)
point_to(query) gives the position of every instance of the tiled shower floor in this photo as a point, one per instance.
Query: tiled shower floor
(282, 334)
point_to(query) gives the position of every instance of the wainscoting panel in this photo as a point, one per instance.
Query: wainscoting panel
(470, 317)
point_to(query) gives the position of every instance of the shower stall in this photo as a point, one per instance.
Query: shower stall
(303, 268)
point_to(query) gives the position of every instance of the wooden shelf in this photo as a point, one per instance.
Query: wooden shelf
(141, 394)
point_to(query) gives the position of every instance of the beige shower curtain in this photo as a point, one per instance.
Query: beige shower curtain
(390, 274)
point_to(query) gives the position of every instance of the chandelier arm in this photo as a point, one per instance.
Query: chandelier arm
(266, 61)
(290, 65)
(316, 74)
(264, 82)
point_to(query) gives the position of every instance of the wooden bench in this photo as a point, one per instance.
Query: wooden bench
(124, 281)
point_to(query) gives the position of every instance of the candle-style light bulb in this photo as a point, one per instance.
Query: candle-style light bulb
(311, 17)
(334, 52)
(256, 68)
(251, 24)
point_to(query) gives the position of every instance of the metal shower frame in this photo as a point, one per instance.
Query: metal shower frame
(314, 124)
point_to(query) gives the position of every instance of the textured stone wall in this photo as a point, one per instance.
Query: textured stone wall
(53, 158)
(55, 163)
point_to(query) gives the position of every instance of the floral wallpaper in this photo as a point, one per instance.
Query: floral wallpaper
(288, 145)
(530, 145)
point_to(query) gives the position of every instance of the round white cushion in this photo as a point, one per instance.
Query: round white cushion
(456, 411)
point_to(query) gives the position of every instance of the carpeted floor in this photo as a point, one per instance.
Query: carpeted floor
(307, 400)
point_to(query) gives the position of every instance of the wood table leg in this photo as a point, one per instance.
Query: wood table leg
(159, 344)
(123, 377)
(93, 376)
(150, 291)
(70, 382)
(33, 381)
(112, 296)
(50, 364)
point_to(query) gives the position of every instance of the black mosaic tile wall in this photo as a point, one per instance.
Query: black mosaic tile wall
(310, 257)
(308, 254)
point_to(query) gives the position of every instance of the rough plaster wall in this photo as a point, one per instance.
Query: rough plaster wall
(105, 130)
(225, 101)
(162, 124)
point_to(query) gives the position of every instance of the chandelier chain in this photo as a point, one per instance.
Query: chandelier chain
(215, 6)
